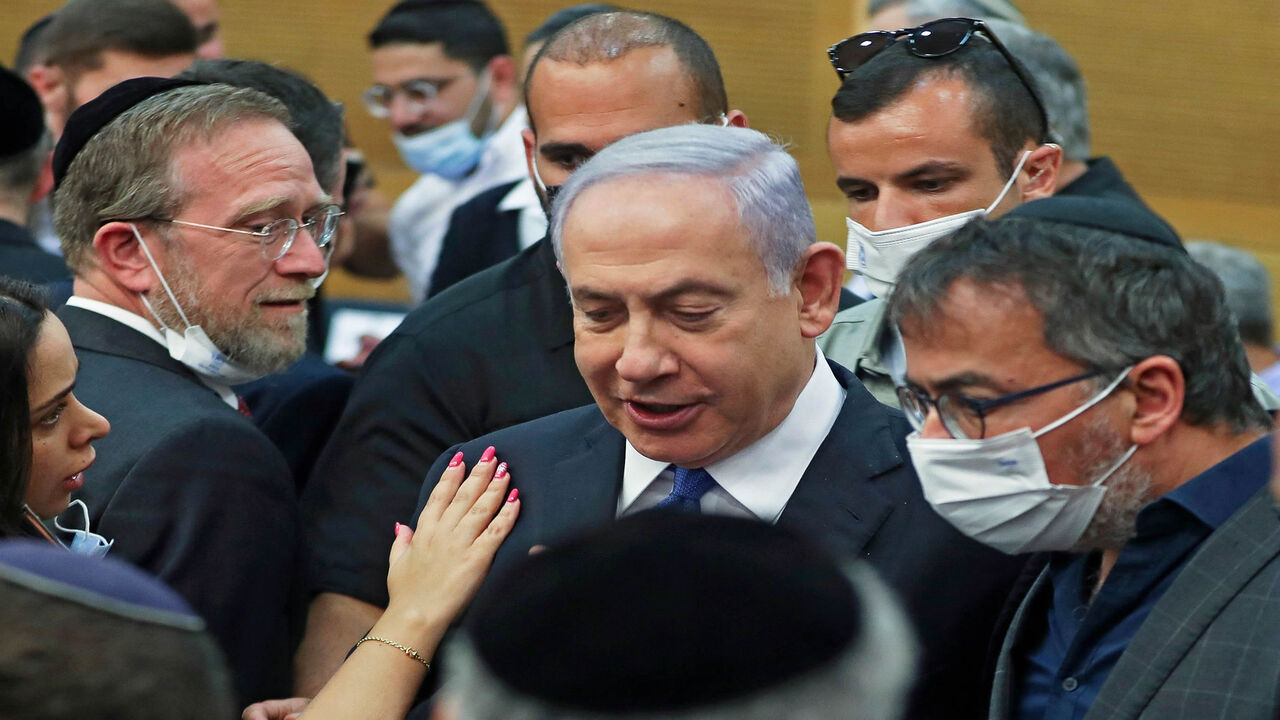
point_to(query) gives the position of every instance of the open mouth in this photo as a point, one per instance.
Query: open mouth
(660, 416)
(73, 483)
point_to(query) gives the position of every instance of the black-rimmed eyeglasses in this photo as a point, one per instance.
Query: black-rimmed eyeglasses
(965, 417)
(930, 40)
(276, 237)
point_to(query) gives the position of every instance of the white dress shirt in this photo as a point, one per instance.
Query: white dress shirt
(758, 481)
(144, 326)
(421, 215)
(533, 221)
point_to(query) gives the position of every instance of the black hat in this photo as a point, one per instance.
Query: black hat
(22, 122)
(662, 612)
(1124, 217)
(96, 114)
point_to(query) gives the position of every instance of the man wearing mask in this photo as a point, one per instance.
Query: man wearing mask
(179, 294)
(497, 348)
(446, 83)
(1085, 394)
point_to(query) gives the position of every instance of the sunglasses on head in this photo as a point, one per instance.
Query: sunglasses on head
(930, 40)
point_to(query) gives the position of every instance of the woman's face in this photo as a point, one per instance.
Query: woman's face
(61, 428)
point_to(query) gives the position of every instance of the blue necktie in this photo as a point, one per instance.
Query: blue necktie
(686, 496)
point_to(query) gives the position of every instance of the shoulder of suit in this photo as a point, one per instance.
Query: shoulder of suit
(568, 425)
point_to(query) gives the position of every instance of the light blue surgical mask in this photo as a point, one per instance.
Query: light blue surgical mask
(83, 541)
(451, 151)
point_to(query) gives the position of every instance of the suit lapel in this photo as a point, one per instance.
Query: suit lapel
(1001, 688)
(93, 332)
(836, 500)
(1228, 560)
(581, 490)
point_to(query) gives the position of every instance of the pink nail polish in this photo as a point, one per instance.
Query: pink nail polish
(515, 493)
(489, 452)
(457, 460)
(502, 470)
(398, 526)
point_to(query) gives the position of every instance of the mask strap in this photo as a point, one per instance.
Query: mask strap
(84, 511)
(477, 101)
(1094, 401)
(537, 176)
(1005, 191)
(1123, 459)
(163, 283)
(724, 120)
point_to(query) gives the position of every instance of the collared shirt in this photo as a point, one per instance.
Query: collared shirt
(758, 481)
(1271, 376)
(144, 326)
(421, 215)
(1074, 649)
(533, 221)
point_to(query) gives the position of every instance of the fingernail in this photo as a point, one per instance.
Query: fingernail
(489, 452)
(457, 460)
(398, 526)
(502, 470)
(515, 493)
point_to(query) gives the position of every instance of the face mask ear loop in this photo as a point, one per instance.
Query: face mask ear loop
(1123, 459)
(537, 176)
(163, 283)
(1012, 178)
(477, 101)
(1094, 401)
(84, 512)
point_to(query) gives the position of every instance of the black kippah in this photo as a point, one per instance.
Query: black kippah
(22, 121)
(1123, 217)
(662, 612)
(411, 5)
(96, 114)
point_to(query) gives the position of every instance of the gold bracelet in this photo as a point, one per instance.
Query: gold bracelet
(402, 648)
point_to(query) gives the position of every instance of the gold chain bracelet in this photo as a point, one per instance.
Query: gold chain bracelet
(402, 648)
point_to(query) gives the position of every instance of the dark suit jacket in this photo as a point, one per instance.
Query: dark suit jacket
(1210, 649)
(859, 498)
(22, 258)
(492, 351)
(479, 236)
(191, 492)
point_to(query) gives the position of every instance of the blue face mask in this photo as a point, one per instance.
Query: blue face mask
(84, 542)
(451, 151)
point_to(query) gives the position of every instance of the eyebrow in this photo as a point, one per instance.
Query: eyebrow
(53, 400)
(845, 182)
(682, 288)
(555, 148)
(262, 205)
(953, 383)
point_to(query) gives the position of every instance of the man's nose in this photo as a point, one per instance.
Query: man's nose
(304, 256)
(892, 211)
(644, 357)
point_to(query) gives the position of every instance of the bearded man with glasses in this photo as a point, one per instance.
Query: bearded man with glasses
(1085, 395)
(196, 229)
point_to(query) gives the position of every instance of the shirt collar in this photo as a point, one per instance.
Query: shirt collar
(763, 476)
(1217, 493)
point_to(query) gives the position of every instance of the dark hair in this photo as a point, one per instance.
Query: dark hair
(601, 37)
(82, 29)
(467, 29)
(1004, 112)
(62, 660)
(31, 48)
(1107, 301)
(314, 119)
(565, 17)
(22, 309)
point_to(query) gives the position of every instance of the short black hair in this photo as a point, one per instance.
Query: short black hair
(31, 46)
(1005, 113)
(314, 119)
(1107, 301)
(563, 18)
(467, 29)
(82, 29)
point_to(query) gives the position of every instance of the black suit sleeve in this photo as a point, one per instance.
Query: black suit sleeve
(210, 509)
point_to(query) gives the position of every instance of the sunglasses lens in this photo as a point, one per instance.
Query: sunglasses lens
(941, 37)
(852, 53)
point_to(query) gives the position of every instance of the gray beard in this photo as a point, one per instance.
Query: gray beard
(1128, 491)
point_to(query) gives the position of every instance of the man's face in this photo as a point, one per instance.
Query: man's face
(207, 21)
(580, 109)
(400, 63)
(249, 175)
(918, 159)
(676, 334)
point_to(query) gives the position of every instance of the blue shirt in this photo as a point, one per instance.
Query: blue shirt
(1070, 651)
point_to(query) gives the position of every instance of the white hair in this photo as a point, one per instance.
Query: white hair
(761, 177)
(868, 681)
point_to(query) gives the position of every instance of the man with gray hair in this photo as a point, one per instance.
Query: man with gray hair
(1248, 287)
(697, 288)
(1084, 395)
(195, 228)
(726, 619)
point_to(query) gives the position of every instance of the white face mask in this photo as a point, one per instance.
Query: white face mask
(452, 150)
(193, 348)
(879, 256)
(84, 542)
(997, 491)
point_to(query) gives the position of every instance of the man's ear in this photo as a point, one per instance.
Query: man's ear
(120, 256)
(530, 149)
(737, 118)
(818, 281)
(1159, 390)
(503, 80)
(1040, 172)
(44, 181)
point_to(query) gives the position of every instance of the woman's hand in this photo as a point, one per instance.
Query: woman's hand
(436, 570)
